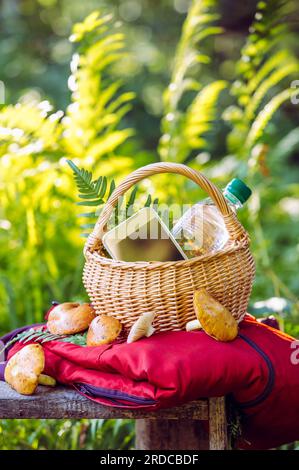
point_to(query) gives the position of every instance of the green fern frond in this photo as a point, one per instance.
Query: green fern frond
(148, 201)
(265, 33)
(197, 121)
(41, 335)
(201, 113)
(265, 62)
(131, 201)
(108, 143)
(118, 103)
(98, 102)
(278, 59)
(35, 131)
(108, 47)
(198, 26)
(277, 76)
(79, 339)
(92, 22)
(265, 115)
(37, 335)
(112, 188)
(91, 191)
(95, 193)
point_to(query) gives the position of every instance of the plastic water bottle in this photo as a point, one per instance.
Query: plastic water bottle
(201, 229)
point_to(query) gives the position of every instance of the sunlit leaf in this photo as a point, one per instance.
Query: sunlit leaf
(265, 115)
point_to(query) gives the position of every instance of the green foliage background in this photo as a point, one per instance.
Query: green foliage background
(211, 89)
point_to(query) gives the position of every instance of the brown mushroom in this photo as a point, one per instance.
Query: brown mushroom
(24, 370)
(103, 330)
(216, 320)
(70, 318)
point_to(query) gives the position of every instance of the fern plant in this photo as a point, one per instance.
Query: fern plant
(91, 191)
(98, 106)
(263, 65)
(42, 335)
(264, 73)
(36, 193)
(90, 126)
(184, 128)
(95, 193)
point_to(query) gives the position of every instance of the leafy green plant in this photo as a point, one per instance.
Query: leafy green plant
(95, 193)
(42, 335)
(98, 106)
(38, 221)
(184, 128)
(265, 62)
(54, 434)
(35, 139)
(91, 191)
(264, 73)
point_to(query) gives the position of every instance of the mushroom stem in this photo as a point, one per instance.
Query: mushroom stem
(193, 325)
(46, 380)
(150, 331)
(142, 327)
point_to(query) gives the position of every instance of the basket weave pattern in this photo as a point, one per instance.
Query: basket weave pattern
(126, 290)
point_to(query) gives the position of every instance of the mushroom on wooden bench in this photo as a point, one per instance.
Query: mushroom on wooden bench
(198, 425)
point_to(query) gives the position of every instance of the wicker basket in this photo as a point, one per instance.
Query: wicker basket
(126, 290)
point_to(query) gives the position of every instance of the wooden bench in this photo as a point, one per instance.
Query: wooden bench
(197, 425)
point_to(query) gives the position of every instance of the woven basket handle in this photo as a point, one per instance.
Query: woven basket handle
(235, 229)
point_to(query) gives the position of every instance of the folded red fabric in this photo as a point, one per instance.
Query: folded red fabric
(170, 368)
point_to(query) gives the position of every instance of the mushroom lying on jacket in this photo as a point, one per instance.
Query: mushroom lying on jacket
(24, 370)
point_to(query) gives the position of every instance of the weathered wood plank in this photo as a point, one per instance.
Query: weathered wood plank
(197, 425)
(217, 424)
(61, 402)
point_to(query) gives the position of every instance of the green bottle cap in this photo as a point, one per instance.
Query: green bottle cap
(239, 189)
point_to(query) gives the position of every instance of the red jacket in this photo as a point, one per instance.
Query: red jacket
(172, 368)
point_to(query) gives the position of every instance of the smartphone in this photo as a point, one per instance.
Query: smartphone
(142, 237)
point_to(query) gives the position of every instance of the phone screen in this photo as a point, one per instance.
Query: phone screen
(142, 239)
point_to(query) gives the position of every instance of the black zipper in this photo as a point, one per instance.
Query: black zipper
(113, 395)
(271, 378)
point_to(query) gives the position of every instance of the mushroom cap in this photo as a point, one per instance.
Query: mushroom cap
(215, 319)
(23, 369)
(103, 330)
(70, 318)
(142, 327)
